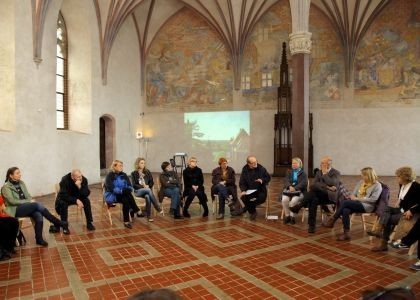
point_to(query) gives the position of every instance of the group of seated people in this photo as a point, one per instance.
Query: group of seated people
(325, 189)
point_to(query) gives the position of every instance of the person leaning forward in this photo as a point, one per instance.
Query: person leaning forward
(74, 190)
(322, 191)
(253, 184)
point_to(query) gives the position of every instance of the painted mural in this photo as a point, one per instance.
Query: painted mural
(388, 61)
(326, 61)
(262, 58)
(187, 67)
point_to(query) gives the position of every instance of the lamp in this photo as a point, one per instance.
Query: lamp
(139, 135)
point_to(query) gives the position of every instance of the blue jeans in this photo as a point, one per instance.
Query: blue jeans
(37, 212)
(147, 194)
(222, 193)
(346, 208)
(173, 193)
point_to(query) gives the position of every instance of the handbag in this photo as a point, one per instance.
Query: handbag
(404, 226)
(110, 198)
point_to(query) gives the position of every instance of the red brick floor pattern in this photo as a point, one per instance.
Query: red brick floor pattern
(232, 258)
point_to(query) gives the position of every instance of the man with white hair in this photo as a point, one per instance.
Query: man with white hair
(74, 190)
(322, 191)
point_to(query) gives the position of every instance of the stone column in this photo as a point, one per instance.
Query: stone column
(300, 48)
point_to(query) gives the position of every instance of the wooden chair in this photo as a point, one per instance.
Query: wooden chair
(79, 210)
(215, 203)
(166, 202)
(108, 207)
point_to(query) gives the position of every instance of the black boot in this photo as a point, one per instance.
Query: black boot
(38, 234)
(185, 212)
(57, 222)
(206, 210)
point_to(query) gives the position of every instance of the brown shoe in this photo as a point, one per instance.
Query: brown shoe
(330, 223)
(344, 237)
(382, 246)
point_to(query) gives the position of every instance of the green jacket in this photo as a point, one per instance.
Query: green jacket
(11, 197)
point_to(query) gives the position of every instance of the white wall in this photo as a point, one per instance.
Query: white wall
(43, 153)
(383, 138)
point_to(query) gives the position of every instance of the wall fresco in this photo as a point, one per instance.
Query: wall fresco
(326, 60)
(263, 56)
(387, 65)
(187, 67)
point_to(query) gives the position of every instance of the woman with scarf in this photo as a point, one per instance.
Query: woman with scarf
(142, 180)
(295, 184)
(19, 204)
(362, 200)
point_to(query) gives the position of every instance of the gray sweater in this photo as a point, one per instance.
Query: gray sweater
(372, 195)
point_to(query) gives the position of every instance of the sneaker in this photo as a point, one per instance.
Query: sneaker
(150, 219)
(90, 226)
(128, 225)
(66, 231)
(415, 266)
(286, 220)
(399, 245)
(292, 221)
(140, 215)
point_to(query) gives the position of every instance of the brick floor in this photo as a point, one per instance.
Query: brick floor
(202, 258)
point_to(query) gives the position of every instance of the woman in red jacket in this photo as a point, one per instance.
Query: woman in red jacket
(9, 228)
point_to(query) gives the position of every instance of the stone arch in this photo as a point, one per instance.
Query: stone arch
(106, 141)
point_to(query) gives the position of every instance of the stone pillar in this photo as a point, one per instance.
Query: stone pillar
(300, 48)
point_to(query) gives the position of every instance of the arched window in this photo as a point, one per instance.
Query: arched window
(61, 75)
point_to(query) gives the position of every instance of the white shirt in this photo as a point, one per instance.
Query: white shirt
(404, 189)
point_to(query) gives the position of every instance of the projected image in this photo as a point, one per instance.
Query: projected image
(217, 134)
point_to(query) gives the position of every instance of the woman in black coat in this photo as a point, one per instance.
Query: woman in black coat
(408, 207)
(224, 184)
(194, 186)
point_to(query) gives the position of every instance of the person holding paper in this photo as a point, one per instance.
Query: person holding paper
(253, 185)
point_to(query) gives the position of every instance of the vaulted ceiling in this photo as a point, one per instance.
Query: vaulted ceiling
(233, 20)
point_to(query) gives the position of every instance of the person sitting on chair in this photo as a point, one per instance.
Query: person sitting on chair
(362, 200)
(9, 228)
(323, 191)
(170, 188)
(409, 239)
(223, 180)
(253, 184)
(295, 184)
(408, 207)
(19, 204)
(74, 190)
(194, 186)
(118, 185)
(142, 180)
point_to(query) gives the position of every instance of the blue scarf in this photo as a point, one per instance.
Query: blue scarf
(294, 175)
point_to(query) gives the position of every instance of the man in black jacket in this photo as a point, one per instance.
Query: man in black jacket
(74, 190)
(253, 185)
(323, 191)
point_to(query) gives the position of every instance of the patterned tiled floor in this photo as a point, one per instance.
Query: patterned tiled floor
(201, 258)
